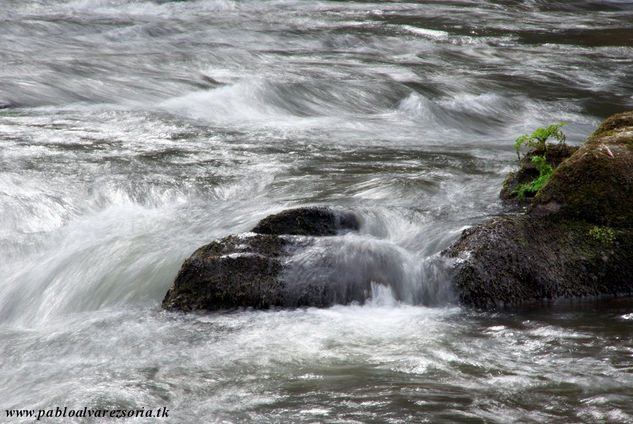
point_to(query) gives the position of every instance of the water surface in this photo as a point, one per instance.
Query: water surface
(133, 132)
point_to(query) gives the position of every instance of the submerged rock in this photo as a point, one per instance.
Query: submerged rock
(575, 239)
(249, 270)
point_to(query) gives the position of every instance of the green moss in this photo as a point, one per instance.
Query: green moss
(593, 186)
(614, 122)
(603, 234)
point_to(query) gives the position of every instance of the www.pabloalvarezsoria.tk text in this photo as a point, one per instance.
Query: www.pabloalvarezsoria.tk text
(85, 412)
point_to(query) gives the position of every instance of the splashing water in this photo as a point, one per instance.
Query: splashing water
(133, 132)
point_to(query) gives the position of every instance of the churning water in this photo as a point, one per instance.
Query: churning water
(134, 131)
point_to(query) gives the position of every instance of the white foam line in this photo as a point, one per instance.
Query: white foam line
(427, 33)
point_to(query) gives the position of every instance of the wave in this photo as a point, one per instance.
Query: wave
(286, 104)
(359, 106)
(491, 114)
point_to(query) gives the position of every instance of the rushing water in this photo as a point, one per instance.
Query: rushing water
(134, 131)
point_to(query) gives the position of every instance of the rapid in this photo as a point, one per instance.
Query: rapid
(133, 132)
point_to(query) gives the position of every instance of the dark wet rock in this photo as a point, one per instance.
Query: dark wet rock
(515, 260)
(575, 239)
(311, 221)
(252, 270)
(229, 273)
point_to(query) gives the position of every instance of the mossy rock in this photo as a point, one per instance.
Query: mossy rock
(575, 239)
(596, 183)
(615, 127)
(517, 260)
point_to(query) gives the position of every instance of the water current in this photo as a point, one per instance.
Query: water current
(134, 131)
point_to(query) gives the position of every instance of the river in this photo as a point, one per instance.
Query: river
(134, 131)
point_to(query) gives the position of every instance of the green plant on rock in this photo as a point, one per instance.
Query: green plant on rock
(536, 140)
(544, 170)
(604, 235)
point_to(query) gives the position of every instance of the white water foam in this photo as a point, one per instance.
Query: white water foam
(348, 263)
(426, 32)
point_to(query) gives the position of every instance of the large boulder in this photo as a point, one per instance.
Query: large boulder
(251, 270)
(575, 239)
